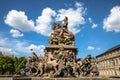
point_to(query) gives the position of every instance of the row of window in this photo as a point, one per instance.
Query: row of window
(109, 63)
(109, 55)
(111, 72)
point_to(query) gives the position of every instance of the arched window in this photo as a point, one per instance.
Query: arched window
(113, 62)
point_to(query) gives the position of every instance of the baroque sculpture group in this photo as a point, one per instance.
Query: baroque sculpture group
(60, 57)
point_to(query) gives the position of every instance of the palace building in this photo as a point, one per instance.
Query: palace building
(109, 62)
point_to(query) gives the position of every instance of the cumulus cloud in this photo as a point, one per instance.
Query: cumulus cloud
(92, 48)
(7, 51)
(93, 24)
(38, 49)
(112, 22)
(75, 17)
(16, 33)
(43, 23)
(14, 45)
(90, 20)
(26, 48)
(18, 20)
(21, 48)
(5, 42)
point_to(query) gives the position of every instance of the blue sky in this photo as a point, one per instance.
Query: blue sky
(26, 24)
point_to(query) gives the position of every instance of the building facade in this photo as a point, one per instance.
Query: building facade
(109, 62)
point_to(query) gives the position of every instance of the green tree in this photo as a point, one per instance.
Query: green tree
(6, 65)
(19, 64)
(11, 65)
(1, 64)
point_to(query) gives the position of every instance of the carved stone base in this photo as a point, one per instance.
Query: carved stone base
(39, 78)
(61, 50)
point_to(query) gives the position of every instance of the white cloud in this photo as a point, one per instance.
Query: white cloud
(7, 51)
(38, 49)
(43, 23)
(75, 17)
(24, 47)
(4, 42)
(90, 48)
(94, 25)
(20, 48)
(112, 22)
(13, 44)
(18, 20)
(16, 33)
(98, 48)
(90, 20)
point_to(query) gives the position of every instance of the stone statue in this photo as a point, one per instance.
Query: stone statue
(60, 57)
(65, 24)
(31, 65)
(34, 57)
(61, 34)
(87, 67)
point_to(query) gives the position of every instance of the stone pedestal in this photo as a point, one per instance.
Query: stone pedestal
(64, 53)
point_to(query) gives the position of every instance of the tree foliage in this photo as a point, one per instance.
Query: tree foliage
(19, 63)
(6, 65)
(11, 65)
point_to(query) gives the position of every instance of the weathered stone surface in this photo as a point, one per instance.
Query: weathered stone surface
(85, 78)
(22, 78)
(39, 78)
(1, 78)
(60, 57)
(15, 78)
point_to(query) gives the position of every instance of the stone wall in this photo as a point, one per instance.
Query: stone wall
(38, 78)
